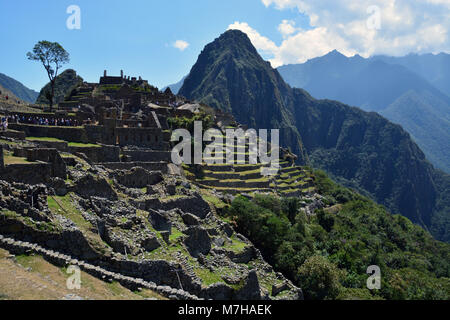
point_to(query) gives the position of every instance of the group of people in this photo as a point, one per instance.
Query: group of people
(42, 121)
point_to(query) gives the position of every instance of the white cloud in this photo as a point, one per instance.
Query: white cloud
(405, 26)
(287, 27)
(181, 45)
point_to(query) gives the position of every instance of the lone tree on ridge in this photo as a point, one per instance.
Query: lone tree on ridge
(52, 56)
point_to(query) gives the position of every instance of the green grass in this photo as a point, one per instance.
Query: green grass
(9, 213)
(208, 278)
(11, 143)
(83, 145)
(44, 139)
(65, 206)
(214, 201)
(175, 235)
(237, 245)
(8, 158)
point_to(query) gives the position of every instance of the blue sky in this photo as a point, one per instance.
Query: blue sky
(138, 36)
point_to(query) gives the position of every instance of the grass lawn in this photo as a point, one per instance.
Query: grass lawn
(44, 139)
(8, 158)
(237, 245)
(83, 145)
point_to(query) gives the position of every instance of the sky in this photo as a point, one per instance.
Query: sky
(161, 40)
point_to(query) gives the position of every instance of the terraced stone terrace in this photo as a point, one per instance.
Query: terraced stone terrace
(243, 177)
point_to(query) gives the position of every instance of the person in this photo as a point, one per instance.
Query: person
(4, 124)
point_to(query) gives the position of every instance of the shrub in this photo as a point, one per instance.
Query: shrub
(319, 279)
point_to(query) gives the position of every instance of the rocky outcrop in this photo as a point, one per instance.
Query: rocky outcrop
(189, 204)
(138, 178)
(159, 221)
(90, 186)
(197, 241)
(251, 289)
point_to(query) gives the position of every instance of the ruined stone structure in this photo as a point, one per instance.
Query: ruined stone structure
(115, 80)
(58, 166)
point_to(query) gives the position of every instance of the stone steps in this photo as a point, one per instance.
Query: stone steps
(236, 184)
(21, 247)
(235, 190)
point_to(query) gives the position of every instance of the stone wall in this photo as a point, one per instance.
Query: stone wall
(33, 173)
(150, 156)
(96, 134)
(51, 156)
(72, 134)
(58, 145)
(98, 154)
(150, 166)
(13, 134)
(142, 137)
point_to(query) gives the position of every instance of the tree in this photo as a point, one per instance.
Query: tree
(319, 279)
(52, 56)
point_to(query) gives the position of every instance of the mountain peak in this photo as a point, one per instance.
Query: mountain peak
(235, 33)
(335, 54)
(233, 39)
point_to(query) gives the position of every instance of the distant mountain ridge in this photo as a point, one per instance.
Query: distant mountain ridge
(398, 88)
(360, 149)
(434, 68)
(18, 89)
(175, 88)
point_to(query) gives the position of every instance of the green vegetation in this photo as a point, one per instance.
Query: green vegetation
(208, 277)
(70, 144)
(9, 158)
(236, 245)
(65, 206)
(45, 139)
(328, 254)
(52, 56)
(188, 123)
(175, 235)
(83, 145)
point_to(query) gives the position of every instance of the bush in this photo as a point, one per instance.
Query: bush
(326, 220)
(319, 279)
